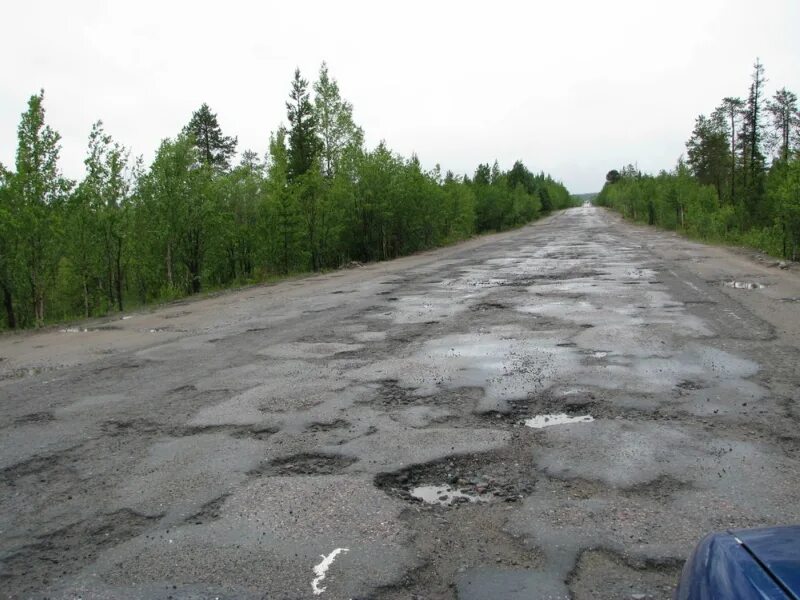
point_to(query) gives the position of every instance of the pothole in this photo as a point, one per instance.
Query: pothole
(601, 574)
(305, 464)
(392, 394)
(329, 425)
(487, 306)
(145, 427)
(743, 285)
(37, 417)
(467, 479)
(444, 495)
(210, 511)
(689, 385)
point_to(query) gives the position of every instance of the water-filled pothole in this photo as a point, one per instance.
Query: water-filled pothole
(485, 477)
(743, 285)
(542, 421)
(444, 495)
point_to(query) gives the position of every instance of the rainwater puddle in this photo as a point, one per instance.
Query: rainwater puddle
(541, 421)
(743, 285)
(443, 495)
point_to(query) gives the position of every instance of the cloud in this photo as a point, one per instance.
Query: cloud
(573, 88)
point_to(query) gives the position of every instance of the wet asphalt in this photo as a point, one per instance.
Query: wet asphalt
(366, 433)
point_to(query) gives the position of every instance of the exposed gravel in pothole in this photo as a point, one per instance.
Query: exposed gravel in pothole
(484, 477)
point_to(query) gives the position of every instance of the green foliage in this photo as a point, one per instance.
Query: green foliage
(216, 149)
(304, 144)
(193, 220)
(727, 192)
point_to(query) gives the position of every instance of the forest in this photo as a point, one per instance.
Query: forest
(739, 181)
(204, 217)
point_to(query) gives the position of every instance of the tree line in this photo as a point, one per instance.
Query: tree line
(739, 181)
(199, 219)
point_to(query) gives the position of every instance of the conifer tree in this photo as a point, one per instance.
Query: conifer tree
(216, 149)
(304, 145)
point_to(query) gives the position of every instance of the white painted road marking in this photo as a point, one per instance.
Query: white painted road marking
(322, 568)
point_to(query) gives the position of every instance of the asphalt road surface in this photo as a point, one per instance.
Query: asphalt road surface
(560, 411)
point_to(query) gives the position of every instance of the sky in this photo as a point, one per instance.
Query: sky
(570, 87)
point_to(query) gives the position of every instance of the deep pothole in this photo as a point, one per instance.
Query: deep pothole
(459, 480)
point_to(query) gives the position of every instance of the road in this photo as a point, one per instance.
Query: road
(277, 441)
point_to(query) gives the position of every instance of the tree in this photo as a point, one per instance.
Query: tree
(752, 138)
(283, 218)
(707, 151)
(216, 149)
(38, 189)
(785, 119)
(177, 191)
(95, 216)
(192, 219)
(334, 118)
(239, 197)
(731, 109)
(613, 176)
(304, 146)
(8, 247)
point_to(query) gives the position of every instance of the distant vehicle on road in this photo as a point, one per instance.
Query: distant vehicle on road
(744, 564)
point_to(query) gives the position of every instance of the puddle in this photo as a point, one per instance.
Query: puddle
(743, 285)
(321, 569)
(541, 421)
(443, 495)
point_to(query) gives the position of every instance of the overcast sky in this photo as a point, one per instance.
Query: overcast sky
(571, 87)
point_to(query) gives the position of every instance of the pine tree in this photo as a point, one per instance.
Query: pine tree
(731, 109)
(753, 133)
(216, 149)
(785, 119)
(304, 146)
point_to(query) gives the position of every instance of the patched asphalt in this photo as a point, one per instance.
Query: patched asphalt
(371, 422)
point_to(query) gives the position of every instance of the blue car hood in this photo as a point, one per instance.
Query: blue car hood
(777, 549)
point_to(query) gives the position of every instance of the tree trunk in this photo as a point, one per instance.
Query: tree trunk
(733, 157)
(85, 297)
(39, 308)
(169, 265)
(8, 302)
(118, 258)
